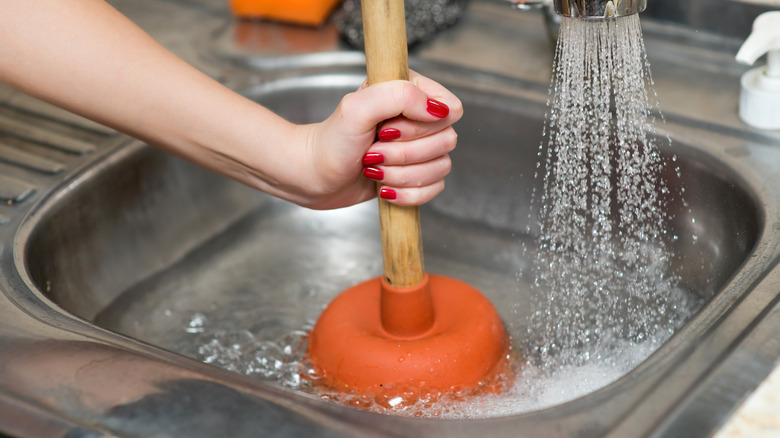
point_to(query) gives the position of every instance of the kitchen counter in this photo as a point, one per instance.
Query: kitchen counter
(508, 47)
(758, 416)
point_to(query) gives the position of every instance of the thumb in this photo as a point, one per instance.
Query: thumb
(372, 105)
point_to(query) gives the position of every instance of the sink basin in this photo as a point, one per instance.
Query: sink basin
(118, 272)
(286, 263)
(123, 270)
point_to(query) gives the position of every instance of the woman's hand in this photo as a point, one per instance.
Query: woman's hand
(410, 159)
(85, 56)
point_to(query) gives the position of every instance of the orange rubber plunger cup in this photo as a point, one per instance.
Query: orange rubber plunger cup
(461, 345)
(408, 327)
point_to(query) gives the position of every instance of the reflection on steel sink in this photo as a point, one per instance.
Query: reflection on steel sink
(139, 235)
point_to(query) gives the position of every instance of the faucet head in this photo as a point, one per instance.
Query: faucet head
(598, 9)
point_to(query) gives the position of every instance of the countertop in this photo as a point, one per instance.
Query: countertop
(757, 417)
(516, 52)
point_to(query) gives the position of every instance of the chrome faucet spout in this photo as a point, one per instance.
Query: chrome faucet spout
(598, 9)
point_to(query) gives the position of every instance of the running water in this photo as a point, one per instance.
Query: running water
(602, 268)
(605, 298)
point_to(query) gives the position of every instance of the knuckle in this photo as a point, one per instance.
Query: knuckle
(349, 105)
(456, 108)
(404, 179)
(406, 93)
(452, 140)
(436, 189)
(412, 197)
(404, 156)
(447, 165)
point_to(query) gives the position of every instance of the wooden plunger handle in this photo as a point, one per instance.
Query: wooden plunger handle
(387, 59)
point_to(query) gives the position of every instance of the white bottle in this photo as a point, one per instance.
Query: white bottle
(759, 101)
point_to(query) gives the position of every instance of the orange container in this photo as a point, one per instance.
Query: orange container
(306, 12)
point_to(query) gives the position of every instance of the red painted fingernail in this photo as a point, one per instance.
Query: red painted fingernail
(437, 108)
(371, 158)
(373, 173)
(386, 193)
(388, 134)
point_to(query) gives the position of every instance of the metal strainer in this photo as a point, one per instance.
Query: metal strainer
(424, 19)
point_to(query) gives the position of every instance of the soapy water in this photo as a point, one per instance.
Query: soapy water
(283, 362)
(604, 297)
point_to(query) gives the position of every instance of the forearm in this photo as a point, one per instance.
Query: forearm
(86, 57)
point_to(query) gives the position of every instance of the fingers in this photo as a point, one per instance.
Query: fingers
(412, 176)
(411, 173)
(398, 152)
(431, 87)
(441, 103)
(437, 92)
(411, 196)
(410, 185)
(411, 158)
(406, 103)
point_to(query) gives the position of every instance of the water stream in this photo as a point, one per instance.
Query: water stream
(603, 266)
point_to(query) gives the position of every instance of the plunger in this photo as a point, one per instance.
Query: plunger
(407, 327)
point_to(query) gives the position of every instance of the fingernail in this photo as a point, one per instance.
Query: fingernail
(386, 193)
(371, 158)
(373, 173)
(437, 108)
(388, 134)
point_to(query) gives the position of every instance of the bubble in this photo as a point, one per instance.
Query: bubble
(196, 323)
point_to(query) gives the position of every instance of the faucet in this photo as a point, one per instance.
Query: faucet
(593, 9)
(598, 9)
(553, 10)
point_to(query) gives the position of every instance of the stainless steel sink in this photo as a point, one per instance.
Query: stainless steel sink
(236, 249)
(140, 235)
(103, 260)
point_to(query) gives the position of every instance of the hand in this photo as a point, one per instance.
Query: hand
(160, 99)
(411, 158)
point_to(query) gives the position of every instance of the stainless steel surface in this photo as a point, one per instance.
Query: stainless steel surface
(528, 5)
(552, 20)
(599, 9)
(733, 18)
(93, 237)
